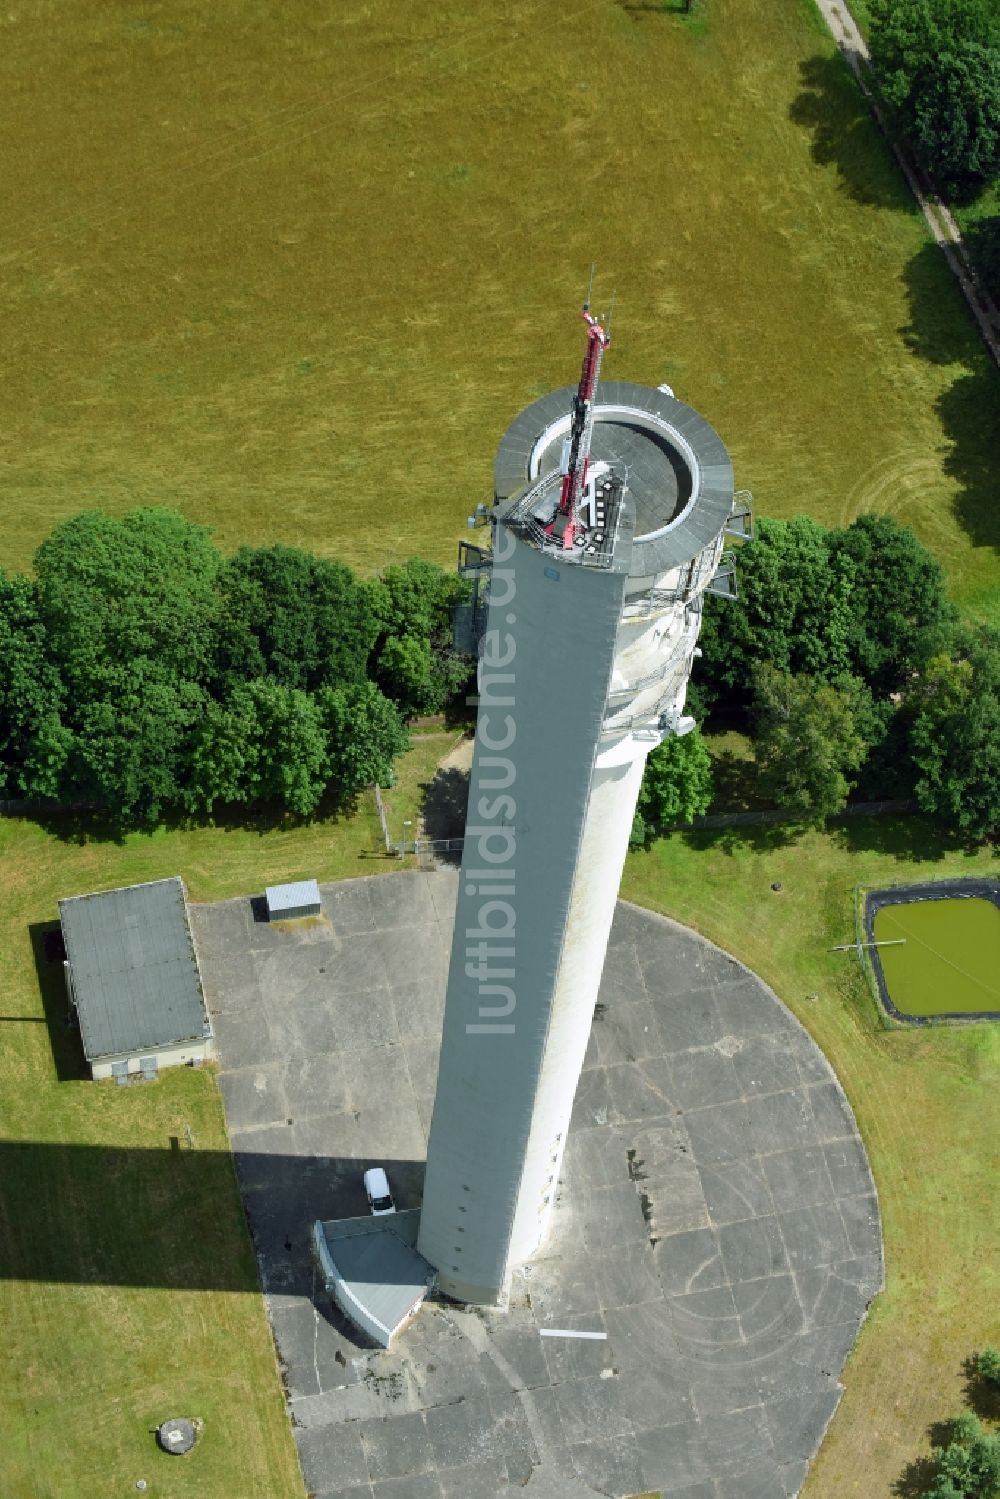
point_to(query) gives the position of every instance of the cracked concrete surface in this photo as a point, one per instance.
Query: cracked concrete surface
(716, 1217)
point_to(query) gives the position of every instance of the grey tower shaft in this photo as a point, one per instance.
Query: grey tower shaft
(583, 669)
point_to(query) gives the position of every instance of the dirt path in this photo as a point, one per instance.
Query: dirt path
(854, 48)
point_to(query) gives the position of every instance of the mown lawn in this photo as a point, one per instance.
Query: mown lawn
(926, 1102)
(128, 1288)
(293, 270)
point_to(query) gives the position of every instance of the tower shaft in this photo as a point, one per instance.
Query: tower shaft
(583, 670)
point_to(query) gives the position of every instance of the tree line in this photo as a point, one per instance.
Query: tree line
(146, 675)
(852, 673)
(936, 65)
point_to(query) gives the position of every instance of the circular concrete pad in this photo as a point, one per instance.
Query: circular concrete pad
(176, 1435)
(716, 1217)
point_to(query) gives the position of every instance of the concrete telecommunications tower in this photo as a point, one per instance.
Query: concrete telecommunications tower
(611, 507)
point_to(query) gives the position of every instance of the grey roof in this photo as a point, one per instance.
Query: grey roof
(135, 974)
(673, 523)
(379, 1275)
(291, 897)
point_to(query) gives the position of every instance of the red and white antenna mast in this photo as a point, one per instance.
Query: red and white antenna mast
(576, 462)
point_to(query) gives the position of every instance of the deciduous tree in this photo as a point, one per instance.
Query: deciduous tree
(414, 662)
(114, 592)
(225, 754)
(897, 592)
(131, 746)
(677, 783)
(364, 734)
(937, 65)
(968, 1466)
(293, 766)
(988, 1366)
(807, 745)
(793, 610)
(954, 736)
(34, 742)
(301, 619)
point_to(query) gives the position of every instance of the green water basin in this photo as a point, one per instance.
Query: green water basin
(949, 960)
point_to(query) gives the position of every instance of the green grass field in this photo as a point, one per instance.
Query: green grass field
(294, 271)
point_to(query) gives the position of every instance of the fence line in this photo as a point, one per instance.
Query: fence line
(390, 846)
(775, 814)
(428, 849)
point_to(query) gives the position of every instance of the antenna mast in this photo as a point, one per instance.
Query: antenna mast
(576, 461)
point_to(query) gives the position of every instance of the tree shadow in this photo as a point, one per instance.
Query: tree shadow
(734, 783)
(970, 413)
(445, 799)
(942, 331)
(908, 838)
(80, 825)
(637, 8)
(845, 136)
(916, 1478)
(940, 1433)
(83, 825)
(984, 1400)
(941, 328)
(981, 1395)
(758, 838)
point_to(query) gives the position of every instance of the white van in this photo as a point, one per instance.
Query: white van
(377, 1191)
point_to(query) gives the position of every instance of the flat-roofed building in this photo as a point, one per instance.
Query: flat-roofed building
(133, 979)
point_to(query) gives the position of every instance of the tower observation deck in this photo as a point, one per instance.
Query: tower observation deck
(611, 506)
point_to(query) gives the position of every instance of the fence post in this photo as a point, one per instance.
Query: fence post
(390, 847)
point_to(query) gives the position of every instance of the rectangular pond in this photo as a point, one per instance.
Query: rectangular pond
(949, 959)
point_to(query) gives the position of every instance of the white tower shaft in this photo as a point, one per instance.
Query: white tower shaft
(584, 669)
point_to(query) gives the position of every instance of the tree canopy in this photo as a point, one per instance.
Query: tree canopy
(822, 603)
(953, 710)
(968, 1465)
(793, 609)
(414, 662)
(33, 740)
(305, 621)
(937, 64)
(144, 674)
(807, 744)
(112, 593)
(130, 609)
(897, 591)
(676, 786)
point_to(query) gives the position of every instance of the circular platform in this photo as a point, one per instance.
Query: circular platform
(176, 1435)
(716, 1222)
(679, 476)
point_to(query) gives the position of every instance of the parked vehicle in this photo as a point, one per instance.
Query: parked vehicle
(377, 1191)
